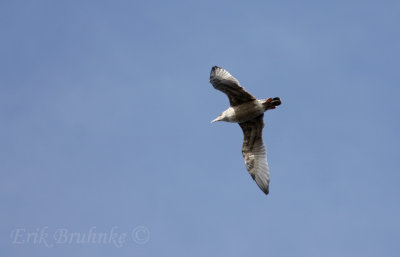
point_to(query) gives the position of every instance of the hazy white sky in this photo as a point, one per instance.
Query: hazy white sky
(105, 110)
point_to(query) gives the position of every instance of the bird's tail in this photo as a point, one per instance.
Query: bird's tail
(272, 103)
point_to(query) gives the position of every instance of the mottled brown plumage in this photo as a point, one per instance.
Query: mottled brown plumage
(246, 110)
(226, 83)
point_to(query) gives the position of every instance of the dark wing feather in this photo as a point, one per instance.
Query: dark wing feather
(254, 153)
(225, 82)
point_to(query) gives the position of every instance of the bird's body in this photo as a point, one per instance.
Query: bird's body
(243, 112)
(246, 110)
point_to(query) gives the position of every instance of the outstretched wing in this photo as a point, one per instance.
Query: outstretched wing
(225, 82)
(254, 153)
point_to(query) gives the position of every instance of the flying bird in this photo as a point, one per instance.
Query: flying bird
(246, 110)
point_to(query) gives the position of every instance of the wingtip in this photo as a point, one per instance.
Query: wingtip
(264, 187)
(214, 71)
(215, 68)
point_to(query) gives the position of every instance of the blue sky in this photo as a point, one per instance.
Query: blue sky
(105, 126)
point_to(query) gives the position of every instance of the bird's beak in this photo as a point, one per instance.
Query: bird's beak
(217, 119)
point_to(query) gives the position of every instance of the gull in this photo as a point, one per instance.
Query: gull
(246, 110)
